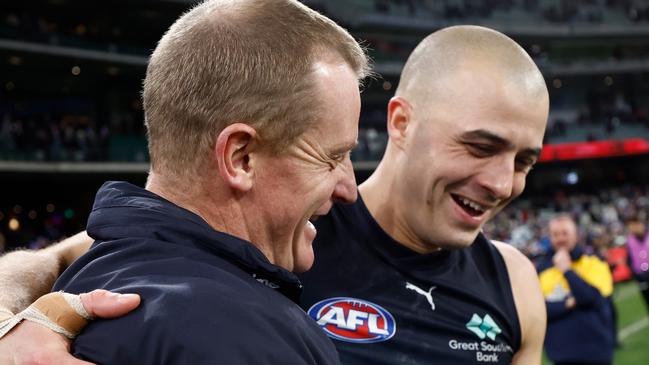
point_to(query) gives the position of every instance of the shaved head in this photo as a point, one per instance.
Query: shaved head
(449, 51)
(465, 127)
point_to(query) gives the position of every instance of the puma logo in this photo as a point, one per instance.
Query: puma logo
(427, 294)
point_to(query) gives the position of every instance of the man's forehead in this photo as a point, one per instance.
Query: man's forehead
(562, 223)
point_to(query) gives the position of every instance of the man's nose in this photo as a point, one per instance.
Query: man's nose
(346, 190)
(498, 178)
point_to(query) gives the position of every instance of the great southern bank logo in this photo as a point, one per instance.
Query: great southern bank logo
(353, 320)
(483, 327)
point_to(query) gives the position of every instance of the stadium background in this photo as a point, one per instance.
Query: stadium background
(71, 116)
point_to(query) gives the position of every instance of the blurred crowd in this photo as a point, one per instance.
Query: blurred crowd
(560, 11)
(71, 136)
(107, 26)
(53, 137)
(601, 117)
(601, 217)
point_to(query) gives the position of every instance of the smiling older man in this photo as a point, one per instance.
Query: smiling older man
(236, 130)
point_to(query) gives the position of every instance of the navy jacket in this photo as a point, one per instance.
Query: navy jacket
(207, 297)
(584, 333)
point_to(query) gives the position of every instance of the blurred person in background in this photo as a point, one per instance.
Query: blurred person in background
(638, 246)
(577, 289)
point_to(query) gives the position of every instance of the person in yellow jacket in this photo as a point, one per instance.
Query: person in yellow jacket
(577, 289)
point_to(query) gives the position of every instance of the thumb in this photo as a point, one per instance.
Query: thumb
(105, 304)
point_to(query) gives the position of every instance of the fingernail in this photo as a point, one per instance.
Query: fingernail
(126, 297)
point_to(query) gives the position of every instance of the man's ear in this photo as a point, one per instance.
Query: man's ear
(399, 117)
(233, 148)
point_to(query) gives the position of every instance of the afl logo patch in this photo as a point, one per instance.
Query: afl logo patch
(353, 320)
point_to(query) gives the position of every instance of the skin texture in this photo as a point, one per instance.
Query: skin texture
(308, 178)
(467, 129)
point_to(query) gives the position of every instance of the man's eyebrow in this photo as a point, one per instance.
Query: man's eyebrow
(532, 152)
(497, 140)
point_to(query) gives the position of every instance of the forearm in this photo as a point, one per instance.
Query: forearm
(26, 275)
(583, 292)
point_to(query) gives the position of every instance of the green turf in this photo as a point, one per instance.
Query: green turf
(631, 309)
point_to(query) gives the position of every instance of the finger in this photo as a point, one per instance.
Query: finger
(105, 304)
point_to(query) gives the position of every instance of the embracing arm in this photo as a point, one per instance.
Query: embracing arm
(26, 275)
(530, 304)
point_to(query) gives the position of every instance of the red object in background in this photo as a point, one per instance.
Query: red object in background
(617, 258)
(582, 150)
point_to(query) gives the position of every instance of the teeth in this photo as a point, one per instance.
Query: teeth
(472, 204)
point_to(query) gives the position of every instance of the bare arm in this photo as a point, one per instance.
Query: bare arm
(530, 305)
(26, 275)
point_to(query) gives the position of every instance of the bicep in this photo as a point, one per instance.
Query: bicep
(532, 316)
(25, 276)
(70, 249)
(530, 305)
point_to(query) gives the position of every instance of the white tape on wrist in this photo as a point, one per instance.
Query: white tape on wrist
(61, 312)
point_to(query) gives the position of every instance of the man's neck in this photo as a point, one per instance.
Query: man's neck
(379, 198)
(215, 205)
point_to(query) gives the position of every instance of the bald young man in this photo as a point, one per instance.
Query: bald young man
(416, 281)
(403, 275)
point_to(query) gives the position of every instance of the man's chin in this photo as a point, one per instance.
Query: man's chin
(302, 267)
(462, 240)
(304, 259)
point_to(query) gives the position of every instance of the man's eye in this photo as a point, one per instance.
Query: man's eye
(525, 165)
(341, 157)
(481, 149)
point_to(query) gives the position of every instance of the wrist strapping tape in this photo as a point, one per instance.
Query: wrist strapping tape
(61, 312)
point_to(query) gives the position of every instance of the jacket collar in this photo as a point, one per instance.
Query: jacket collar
(125, 211)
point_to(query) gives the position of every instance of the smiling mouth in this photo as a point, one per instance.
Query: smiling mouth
(472, 208)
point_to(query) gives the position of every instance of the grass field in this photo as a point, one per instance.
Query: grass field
(633, 325)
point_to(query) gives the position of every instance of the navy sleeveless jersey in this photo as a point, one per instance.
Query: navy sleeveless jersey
(382, 303)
